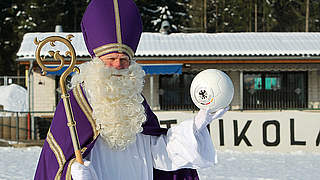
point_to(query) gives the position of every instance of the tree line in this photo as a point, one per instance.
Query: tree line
(213, 16)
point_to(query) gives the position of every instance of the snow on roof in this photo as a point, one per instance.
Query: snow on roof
(28, 48)
(201, 44)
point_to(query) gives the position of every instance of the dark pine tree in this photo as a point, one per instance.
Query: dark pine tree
(155, 12)
(8, 40)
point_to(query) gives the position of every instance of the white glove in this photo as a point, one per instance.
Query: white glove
(206, 116)
(83, 172)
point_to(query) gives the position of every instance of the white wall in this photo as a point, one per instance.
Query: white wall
(235, 77)
(146, 91)
(44, 93)
(313, 89)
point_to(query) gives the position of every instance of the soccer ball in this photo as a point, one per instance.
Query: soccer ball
(211, 89)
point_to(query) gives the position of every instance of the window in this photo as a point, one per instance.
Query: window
(275, 90)
(272, 83)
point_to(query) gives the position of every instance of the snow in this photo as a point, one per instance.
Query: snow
(196, 44)
(20, 164)
(263, 166)
(13, 98)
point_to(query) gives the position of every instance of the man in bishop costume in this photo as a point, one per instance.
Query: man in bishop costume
(119, 134)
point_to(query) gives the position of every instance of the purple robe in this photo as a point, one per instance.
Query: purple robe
(57, 153)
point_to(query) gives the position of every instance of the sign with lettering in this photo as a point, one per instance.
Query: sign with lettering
(285, 131)
(267, 131)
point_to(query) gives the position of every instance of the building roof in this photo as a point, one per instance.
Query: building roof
(302, 44)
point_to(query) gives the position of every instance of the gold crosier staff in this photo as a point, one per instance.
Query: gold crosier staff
(65, 96)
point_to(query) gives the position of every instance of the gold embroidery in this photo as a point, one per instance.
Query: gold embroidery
(99, 51)
(117, 17)
(54, 146)
(85, 108)
(115, 46)
(68, 173)
(83, 149)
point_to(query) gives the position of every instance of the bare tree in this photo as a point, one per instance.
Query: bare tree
(255, 16)
(307, 15)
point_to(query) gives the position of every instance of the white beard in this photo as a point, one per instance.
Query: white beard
(116, 100)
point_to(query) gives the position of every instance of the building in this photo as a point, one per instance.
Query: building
(269, 70)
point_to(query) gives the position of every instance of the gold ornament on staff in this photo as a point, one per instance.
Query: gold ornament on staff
(65, 96)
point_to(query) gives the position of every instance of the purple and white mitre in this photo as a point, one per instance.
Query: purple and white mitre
(111, 26)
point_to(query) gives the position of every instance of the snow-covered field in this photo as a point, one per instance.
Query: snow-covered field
(20, 164)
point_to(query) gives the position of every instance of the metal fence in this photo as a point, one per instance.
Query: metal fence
(22, 126)
(174, 92)
(176, 99)
(7, 80)
(275, 90)
(261, 90)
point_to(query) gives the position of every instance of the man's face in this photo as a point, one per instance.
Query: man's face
(116, 60)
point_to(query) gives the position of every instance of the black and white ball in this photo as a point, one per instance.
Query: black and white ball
(212, 89)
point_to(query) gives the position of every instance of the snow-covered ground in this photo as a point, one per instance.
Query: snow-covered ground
(20, 164)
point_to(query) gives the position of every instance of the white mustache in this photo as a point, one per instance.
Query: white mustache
(121, 72)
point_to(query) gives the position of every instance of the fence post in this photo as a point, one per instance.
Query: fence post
(28, 125)
(17, 127)
(5, 80)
